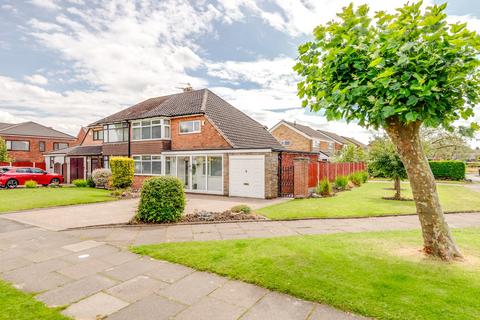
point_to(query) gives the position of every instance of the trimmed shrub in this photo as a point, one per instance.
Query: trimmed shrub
(123, 169)
(364, 175)
(324, 188)
(241, 208)
(90, 183)
(341, 182)
(80, 183)
(100, 177)
(448, 169)
(162, 200)
(30, 184)
(356, 178)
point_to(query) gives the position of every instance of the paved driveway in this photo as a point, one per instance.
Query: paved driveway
(119, 212)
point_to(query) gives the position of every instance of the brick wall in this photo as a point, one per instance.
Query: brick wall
(208, 138)
(115, 149)
(88, 140)
(34, 154)
(149, 147)
(298, 142)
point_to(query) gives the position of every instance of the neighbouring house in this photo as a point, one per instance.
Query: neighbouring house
(29, 141)
(297, 137)
(211, 146)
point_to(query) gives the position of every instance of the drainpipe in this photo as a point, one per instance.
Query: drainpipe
(129, 133)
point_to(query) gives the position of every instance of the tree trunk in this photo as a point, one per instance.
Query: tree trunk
(397, 189)
(437, 238)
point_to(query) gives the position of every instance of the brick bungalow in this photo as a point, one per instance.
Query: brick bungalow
(28, 141)
(211, 146)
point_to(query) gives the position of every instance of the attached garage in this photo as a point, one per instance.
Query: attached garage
(247, 176)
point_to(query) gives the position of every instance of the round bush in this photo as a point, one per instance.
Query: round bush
(241, 208)
(30, 184)
(80, 183)
(100, 177)
(162, 200)
(356, 178)
(341, 182)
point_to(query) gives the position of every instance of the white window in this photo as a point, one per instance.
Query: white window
(117, 132)
(149, 165)
(151, 129)
(285, 142)
(330, 146)
(18, 145)
(190, 126)
(316, 143)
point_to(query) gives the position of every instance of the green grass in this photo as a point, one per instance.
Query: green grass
(20, 306)
(23, 199)
(367, 201)
(380, 274)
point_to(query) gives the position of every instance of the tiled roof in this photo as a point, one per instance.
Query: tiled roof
(355, 142)
(312, 133)
(31, 128)
(4, 125)
(78, 151)
(238, 129)
(334, 136)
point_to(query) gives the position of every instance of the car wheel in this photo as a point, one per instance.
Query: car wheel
(11, 184)
(55, 181)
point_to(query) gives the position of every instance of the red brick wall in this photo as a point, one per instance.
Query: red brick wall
(34, 155)
(138, 181)
(208, 138)
(149, 147)
(88, 141)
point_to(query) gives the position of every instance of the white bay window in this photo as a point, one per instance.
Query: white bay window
(148, 165)
(151, 129)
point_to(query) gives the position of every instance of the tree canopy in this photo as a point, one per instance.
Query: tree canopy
(3, 152)
(411, 65)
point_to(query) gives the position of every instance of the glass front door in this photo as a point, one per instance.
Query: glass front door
(184, 171)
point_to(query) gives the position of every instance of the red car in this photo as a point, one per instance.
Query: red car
(18, 176)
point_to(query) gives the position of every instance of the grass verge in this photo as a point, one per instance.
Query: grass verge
(379, 274)
(367, 201)
(24, 199)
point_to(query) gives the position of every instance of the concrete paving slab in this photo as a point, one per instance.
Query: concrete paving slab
(90, 254)
(35, 269)
(75, 291)
(152, 307)
(169, 272)
(84, 269)
(193, 287)
(47, 254)
(119, 257)
(323, 312)
(132, 269)
(210, 308)
(13, 263)
(239, 293)
(95, 307)
(276, 306)
(39, 283)
(84, 245)
(137, 288)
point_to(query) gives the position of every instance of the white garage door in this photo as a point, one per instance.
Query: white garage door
(247, 176)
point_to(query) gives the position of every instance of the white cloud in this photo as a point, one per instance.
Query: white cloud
(47, 4)
(36, 79)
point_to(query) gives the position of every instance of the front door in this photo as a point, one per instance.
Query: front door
(76, 169)
(184, 171)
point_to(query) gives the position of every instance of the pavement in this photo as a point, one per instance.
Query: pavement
(92, 273)
(121, 212)
(97, 279)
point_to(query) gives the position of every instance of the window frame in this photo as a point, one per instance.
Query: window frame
(58, 143)
(160, 159)
(285, 143)
(9, 148)
(40, 144)
(190, 132)
(110, 127)
(96, 135)
(164, 123)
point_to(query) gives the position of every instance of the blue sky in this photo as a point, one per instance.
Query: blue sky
(68, 63)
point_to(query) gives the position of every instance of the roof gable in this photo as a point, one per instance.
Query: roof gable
(31, 128)
(308, 131)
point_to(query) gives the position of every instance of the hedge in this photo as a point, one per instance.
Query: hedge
(162, 200)
(448, 169)
(123, 169)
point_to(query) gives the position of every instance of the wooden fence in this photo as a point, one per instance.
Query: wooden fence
(40, 165)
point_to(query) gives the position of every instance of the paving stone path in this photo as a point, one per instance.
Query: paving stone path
(92, 273)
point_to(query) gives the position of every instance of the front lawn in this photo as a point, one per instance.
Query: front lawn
(367, 201)
(21, 306)
(381, 274)
(23, 199)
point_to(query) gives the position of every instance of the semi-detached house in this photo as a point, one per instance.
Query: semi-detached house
(211, 146)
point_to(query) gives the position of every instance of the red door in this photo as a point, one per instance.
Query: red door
(76, 169)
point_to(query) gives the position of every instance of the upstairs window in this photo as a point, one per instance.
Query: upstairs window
(316, 144)
(59, 145)
(41, 146)
(285, 142)
(18, 145)
(151, 129)
(190, 126)
(330, 146)
(117, 132)
(97, 134)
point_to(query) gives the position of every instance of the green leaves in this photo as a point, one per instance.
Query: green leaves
(408, 65)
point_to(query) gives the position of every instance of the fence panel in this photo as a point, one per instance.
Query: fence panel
(41, 165)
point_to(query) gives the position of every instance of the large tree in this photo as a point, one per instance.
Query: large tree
(397, 72)
(4, 152)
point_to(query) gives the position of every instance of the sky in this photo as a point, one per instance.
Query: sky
(68, 63)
